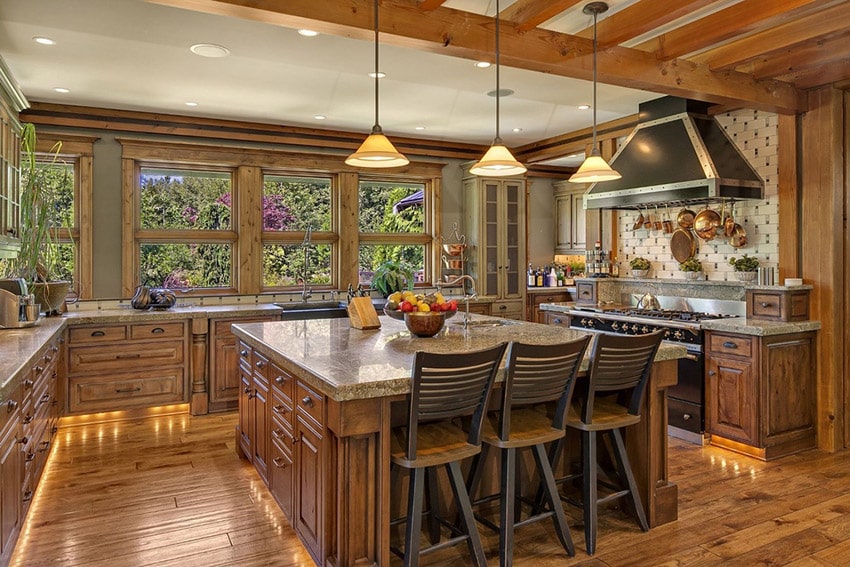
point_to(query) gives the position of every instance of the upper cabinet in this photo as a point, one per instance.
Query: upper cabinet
(570, 226)
(494, 223)
(12, 101)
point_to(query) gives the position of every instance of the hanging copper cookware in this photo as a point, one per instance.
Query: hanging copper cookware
(683, 245)
(729, 221)
(738, 238)
(685, 218)
(706, 223)
(667, 224)
(638, 221)
(647, 220)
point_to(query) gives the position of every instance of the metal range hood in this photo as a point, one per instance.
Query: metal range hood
(677, 153)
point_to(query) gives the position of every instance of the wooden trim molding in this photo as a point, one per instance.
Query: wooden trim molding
(789, 198)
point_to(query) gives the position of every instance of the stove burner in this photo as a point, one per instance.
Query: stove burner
(669, 314)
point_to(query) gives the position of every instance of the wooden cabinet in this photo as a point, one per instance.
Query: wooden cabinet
(281, 470)
(760, 393)
(10, 473)
(115, 367)
(587, 291)
(10, 173)
(554, 318)
(224, 354)
(551, 295)
(778, 304)
(570, 224)
(494, 223)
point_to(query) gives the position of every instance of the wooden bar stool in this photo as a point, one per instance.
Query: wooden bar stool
(534, 376)
(444, 388)
(611, 400)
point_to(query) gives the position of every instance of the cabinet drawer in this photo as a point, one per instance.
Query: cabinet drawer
(559, 319)
(553, 297)
(282, 431)
(585, 292)
(157, 331)
(731, 344)
(685, 415)
(261, 365)
(245, 356)
(123, 357)
(131, 389)
(100, 334)
(283, 383)
(281, 409)
(310, 402)
(507, 309)
(9, 408)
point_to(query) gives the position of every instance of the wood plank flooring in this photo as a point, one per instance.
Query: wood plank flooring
(170, 490)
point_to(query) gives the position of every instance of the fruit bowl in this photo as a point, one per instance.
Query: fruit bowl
(399, 315)
(425, 323)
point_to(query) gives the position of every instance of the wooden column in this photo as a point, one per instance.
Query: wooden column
(200, 399)
(789, 198)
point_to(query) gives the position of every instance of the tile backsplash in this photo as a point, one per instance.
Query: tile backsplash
(755, 134)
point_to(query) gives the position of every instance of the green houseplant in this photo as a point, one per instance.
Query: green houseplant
(692, 268)
(391, 276)
(745, 267)
(39, 258)
(640, 267)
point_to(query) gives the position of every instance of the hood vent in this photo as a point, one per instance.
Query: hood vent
(677, 153)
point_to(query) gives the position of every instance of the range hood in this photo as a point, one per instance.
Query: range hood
(676, 154)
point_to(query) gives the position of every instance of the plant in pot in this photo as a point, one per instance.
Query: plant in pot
(745, 267)
(640, 267)
(391, 276)
(691, 268)
(39, 260)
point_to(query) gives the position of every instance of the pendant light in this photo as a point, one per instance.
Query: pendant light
(594, 168)
(498, 160)
(376, 150)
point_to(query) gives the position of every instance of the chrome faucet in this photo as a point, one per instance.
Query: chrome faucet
(466, 296)
(306, 292)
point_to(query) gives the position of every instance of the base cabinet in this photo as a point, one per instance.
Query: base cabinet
(761, 393)
(224, 374)
(10, 479)
(536, 298)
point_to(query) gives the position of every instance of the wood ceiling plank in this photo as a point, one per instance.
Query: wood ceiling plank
(640, 18)
(816, 77)
(529, 14)
(742, 18)
(823, 24)
(430, 4)
(462, 34)
(800, 58)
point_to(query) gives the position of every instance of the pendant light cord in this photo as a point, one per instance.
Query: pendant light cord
(498, 94)
(377, 123)
(595, 15)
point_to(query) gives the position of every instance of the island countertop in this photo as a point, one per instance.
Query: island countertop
(346, 363)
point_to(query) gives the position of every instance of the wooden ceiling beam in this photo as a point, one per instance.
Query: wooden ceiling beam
(822, 24)
(640, 18)
(428, 5)
(800, 58)
(745, 17)
(462, 34)
(529, 14)
(824, 75)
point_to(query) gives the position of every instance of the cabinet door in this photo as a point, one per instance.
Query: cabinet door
(563, 222)
(10, 487)
(261, 436)
(224, 383)
(246, 414)
(579, 223)
(732, 402)
(308, 493)
(280, 478)
(512, 259)
(490, 239)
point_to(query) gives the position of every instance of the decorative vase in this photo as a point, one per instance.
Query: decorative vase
(746, 276)
(51, 295)
(640, 273)
(693, 275)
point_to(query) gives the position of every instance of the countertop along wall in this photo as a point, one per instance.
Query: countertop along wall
(755, 133)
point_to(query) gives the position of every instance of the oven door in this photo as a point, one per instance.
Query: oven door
(686, 400)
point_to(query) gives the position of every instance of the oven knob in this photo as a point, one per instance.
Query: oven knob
(644, 329)
(678, 335)
(615, 326)
(635, 327)
(666, 333)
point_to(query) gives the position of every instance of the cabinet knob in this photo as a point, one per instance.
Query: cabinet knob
(280, 409)
(503, 307)
(686, 416)
(24, 440)
(558, 320)
(247, 390)
(28, 419)
(765, 304)
(730, 344)
(296, 440)
(712, 373)
(277, 433)
(27, 384)
(243, 353)
(11, 405)
(280, 380)
(259, 364)
(27, 496)
(307, 401)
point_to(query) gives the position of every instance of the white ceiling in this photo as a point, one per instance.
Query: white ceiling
(129, 54)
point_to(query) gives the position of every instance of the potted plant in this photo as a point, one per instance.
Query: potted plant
(39, 258)
(692, 268)
(745, 267)
(391, 276)
(640, 267)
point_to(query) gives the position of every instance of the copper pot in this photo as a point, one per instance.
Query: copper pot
(638, 221)
(647, 220)
(667, 224)
(706, 223)
(729, 221)
(657, 224)
(685, 218)
(738, 238)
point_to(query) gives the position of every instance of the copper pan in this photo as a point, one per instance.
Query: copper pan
(683, 245)
(685, 218)
(729, 221)
(738, 238)
(706, 223)
(638, 221)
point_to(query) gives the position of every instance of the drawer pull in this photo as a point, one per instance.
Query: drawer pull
(27, 495)
(558, 320)
(686, 416)
(730, 344)
(27, 384)
(11, 406)
(131, 355)
(503, 307)
(243, 353)
(260, 364)
(28, 419)
(44, 398)
(712, 373)
(24, 440)
(277, 433)
(247, 390)
(30, 457)
(279, 463)
(307, 401)
(42, 447)
(280, 380)
(157, 330)
(296, 440)
(128, 390)
(98, 334)
(280, 409)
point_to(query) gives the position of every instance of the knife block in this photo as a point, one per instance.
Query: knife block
(362, 314)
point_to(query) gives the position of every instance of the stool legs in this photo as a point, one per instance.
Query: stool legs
(414, 517)
(476, 548)
(589, 489)
(626, 473)
(550, 490)
(506, 507)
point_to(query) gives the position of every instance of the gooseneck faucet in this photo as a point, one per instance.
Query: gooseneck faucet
(466, 296)
(306, 292)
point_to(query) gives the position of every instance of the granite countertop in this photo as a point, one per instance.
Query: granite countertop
(129, 315)
(18, 347)
(741, 325)
(346, 363)
(562, 289)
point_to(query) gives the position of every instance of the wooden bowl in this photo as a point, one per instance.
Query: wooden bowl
(425, 324)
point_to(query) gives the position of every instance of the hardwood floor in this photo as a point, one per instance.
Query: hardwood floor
(171, 491)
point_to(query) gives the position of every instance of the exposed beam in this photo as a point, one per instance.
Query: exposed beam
(641, 18)
(529, 14)
(833, 73)
(746, 17)
(462, 34)
(430, 4)
(800, 58)
(831, 21)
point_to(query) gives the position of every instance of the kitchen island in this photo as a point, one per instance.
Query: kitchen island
(320, 399)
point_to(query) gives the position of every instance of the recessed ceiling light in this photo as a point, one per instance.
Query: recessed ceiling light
(501, 93)
(584, 107)
(319, 116)
(381, 75)
(209, 50)
(43, 40)
(308, 33)
(420, 127)
(482, 64)
(62, 90)
(190, 103)
(517, 130)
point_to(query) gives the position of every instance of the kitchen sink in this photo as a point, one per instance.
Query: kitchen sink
(297, 311)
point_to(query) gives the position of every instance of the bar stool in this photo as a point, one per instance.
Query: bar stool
(534, 375)
(612, 396)
(444, 388)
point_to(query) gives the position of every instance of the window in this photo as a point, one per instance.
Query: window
(185, 228)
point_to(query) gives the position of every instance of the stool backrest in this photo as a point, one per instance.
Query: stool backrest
(620, 363)
(536, 374)
(446, 386)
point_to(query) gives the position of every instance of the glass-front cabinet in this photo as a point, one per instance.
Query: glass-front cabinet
(494, 221)
(12, 101)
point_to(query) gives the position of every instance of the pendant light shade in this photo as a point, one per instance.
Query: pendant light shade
(376, 150)
(594, 168)
(498, 161)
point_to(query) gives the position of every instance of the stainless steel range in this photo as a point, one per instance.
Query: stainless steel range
(680, 319)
